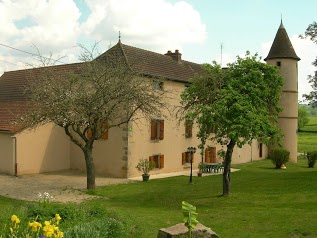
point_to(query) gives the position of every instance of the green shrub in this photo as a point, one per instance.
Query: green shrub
(279, 156)
(311, 158)
(98, 228)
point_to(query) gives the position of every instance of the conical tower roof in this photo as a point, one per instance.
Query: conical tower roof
(282, 46)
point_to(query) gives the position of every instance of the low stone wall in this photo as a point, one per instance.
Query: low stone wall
(181, 231)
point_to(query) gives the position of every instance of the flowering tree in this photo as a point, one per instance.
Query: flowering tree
(90, 98)
(240, 102)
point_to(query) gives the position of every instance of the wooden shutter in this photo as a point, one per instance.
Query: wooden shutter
(161, 129)
(213, 154)
(161, 161)
(188, 129)
(153, 129)
(152, 159)
(105, 135)
(183, 157)
(89, 133)
(207, 155)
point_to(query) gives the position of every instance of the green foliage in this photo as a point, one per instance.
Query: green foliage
(307, 137)
(241, 103)
(265, 202)
(311, 158)
(202, 167)
(190, 217)
(99, 228)
(312, 111)
(279, 156)
(145, 166)
(71, 213)
(302, 117)
(311, 33)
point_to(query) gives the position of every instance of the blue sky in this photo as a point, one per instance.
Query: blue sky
(196, 27)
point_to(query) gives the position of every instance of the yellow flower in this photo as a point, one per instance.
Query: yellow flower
(11, 230)
(15, 219)
(47, 223)
(57, 218)
(35, 226)
(59, 235)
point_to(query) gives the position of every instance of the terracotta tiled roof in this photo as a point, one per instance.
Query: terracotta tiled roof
(14, 100)
(282, 46)
(154, 64)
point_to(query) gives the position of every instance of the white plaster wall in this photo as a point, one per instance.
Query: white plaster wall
(109, 155)
(43, 149)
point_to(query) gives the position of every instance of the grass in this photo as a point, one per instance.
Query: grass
(264, 202)
(307, 137)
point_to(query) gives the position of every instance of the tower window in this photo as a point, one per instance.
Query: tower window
(278, 63)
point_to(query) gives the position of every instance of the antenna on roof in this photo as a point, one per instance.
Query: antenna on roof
(221, 46)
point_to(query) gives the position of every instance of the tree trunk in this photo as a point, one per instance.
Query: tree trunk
(90, 167)
(226, 171)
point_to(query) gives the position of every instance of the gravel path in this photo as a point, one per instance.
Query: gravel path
(64, 186)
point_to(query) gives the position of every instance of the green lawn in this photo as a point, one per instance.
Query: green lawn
(307, 137)
(265, 202)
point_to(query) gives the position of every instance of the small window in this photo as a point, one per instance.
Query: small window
(187, 157)
(278, 63)
(103, 137)
(188, 129)
(157, 129)
(158, 160)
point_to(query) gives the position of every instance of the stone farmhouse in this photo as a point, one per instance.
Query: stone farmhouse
(47, 148)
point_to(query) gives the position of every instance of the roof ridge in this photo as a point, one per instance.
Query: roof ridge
(124, 54)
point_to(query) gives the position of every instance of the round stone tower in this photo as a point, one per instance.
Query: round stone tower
(282, 54)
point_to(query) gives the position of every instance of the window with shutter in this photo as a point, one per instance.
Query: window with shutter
(89, 133)
(210, 155)
(187, 157)
(157, 129)
(161, 137)
(183, 157)
(159, 161)
(153, 129)
(188, 129)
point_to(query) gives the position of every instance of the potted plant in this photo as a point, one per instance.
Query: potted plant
(145, 166)
(202, 168)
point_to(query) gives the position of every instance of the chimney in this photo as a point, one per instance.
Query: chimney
(175, 56)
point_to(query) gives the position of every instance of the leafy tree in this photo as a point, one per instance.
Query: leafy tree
(89, 99)
(302, 117)
(311, 33)
(242, 102)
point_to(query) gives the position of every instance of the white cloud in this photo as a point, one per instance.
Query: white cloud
(150, 24)
(51, 26)
(54, 26)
